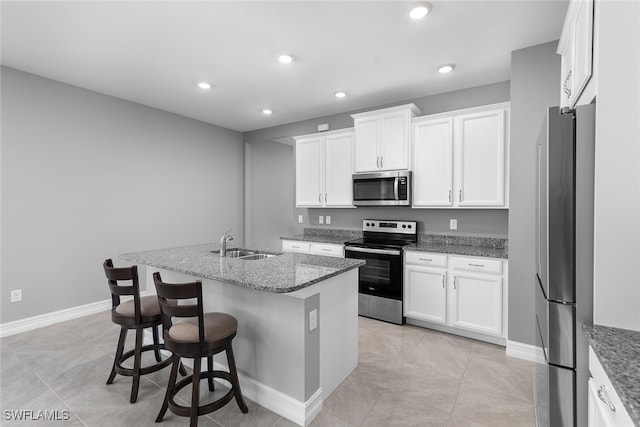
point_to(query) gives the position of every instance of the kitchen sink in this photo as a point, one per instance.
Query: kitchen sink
(257, 256)
(245, 254)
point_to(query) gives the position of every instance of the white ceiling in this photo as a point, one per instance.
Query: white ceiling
(154, 53)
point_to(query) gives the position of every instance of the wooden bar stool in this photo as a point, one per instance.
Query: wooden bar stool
(203, 335)
(137, 313)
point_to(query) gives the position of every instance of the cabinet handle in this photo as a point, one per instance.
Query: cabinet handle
(460, 195)
(443, 281)
(319, 197)
(325, 198)
(449, 196)
(381, 162)
(425, 259)
(476, 265)
(603, 391)
(455, 279)
(566, 90)
(326, 250)
(295, 247)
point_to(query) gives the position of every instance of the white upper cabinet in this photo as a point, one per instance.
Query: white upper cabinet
(576, 48)
(324, 165)
(460, 158)
(338, 169)
(309, 171)
(481, 160)
(382, 138)
(433, 162)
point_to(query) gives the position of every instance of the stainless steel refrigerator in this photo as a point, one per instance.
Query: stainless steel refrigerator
(564, 267)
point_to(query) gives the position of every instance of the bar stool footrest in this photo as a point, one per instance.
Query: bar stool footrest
(128, 372)
(185, 411)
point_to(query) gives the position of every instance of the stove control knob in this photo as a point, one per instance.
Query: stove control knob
(367, 224)
(409, 226)
(404, 225)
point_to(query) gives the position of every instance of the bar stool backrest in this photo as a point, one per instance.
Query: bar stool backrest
(122, 274)
(170, 296)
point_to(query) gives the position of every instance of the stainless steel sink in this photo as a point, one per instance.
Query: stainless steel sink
(257, 256)
(238, 253)
(245, 254)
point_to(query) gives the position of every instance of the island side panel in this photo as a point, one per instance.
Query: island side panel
(338, 330)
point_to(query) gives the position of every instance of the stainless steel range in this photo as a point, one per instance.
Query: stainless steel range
(380, 280)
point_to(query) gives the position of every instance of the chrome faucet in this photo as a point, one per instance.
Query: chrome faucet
(226, 237)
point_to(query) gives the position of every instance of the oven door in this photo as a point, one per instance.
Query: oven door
(382, 275)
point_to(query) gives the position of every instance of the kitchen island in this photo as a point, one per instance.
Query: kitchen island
(297, 319)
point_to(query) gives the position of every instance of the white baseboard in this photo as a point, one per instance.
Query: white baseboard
(525, 351)
(301, 413)
(48, 319)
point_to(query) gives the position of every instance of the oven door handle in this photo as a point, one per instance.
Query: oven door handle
(371, 250)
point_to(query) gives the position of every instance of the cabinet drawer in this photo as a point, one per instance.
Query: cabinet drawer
(477, 264)
(295, 246)
(327, 249)
(604, 391)
(425, 258)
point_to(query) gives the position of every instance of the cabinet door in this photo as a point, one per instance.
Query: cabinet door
(309, 172)
(481, 159)
(425, 293)
(395, 129)
(433, 163)
(477, 302)
(367, 157)
(338, 184)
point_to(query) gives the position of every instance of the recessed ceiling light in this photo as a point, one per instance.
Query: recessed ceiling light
(285, 58)
(267, 112)
(444, 69)
(340, 94)
(419, 10)
(204, 85)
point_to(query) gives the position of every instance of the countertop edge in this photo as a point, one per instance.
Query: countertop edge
(615, 368)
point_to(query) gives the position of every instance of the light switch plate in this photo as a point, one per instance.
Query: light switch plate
(299, 219)
(453, 224)
(320, 219)
(327, 220)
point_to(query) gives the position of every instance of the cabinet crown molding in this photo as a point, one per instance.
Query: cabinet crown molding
(412, 107)
(325, 133)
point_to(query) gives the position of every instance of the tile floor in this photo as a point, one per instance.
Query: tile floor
(406, 376)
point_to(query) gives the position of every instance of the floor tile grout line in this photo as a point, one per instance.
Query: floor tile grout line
(61, 399)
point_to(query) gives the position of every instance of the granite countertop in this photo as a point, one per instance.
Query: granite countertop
(618, 351)
(456, 249)
(489, 247)
(325, 235)
(286, 272)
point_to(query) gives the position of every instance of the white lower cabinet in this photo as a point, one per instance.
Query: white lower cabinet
(605, 406)
(460, 293)
(314, 248)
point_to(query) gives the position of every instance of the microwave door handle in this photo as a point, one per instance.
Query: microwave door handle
(396, 195)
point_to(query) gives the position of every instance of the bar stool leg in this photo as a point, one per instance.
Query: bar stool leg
(182, 370)
(210, 369)
(195, 394)
(170, 386)
(156, 343)
(234, 379)
(136, 365)
(119, 351)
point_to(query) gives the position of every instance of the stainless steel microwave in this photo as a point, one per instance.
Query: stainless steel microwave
(392, 188)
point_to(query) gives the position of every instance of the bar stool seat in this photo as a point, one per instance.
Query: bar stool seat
(136, 314)
(199, 335)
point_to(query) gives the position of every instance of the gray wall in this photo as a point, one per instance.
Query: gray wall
(87, 176)
(493, 222)
(269, 193)
(535, 75)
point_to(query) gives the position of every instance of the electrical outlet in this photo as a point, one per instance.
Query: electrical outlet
(16, 295)
(320, 219)
(327, 220)
(300, 219)
(453, 224)
(313, 319)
